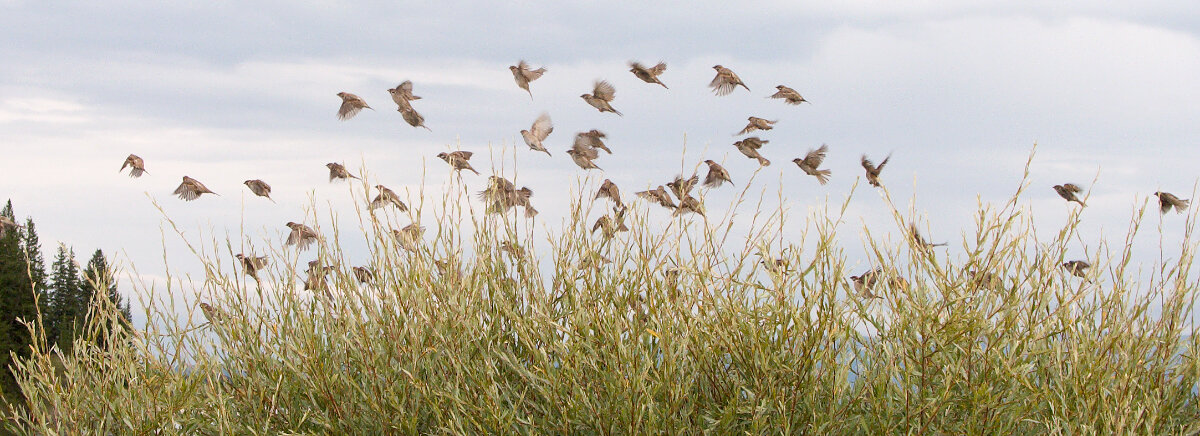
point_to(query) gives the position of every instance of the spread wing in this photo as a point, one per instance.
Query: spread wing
(721, 85)
(658, 69)
(542, 127)
(814, 157)
(604, 91)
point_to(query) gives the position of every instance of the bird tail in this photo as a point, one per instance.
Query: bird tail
(473, 170)
(426, 127)
(823, 176)
(1081, 203)
(744, 86)
(763, 161)
(618, 113)
(664, 85)
(530, 94)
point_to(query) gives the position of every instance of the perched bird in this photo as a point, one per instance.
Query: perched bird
(523, 75)
(1068, 191)
(316, 276)
(459, 160)
(716, 175)
(866, 283)
(689, 204)
(211, 314)
(363, 274)
(872, 170)
(812, 160)
(788, 95)
(601, 97)
(351, 106)
(750, 146)
(725, 81)
(538, 132)
(777, 266)
(413, 118)
(136, 165)
(409, 238)
(682, 187)
(302, 236)
(611, 226)
(191, 189)
(251, 264)
(502, 195)
(1166, 201)
(609, 190)
(259, 188)
(403, 96)
(1077, 268)
(514, 250)
(659, 196)
(386, 197)
(338, 172)
(591, 139)
(920, 241)
(593, 261)
(648, 75)
(756, 123)
(7, 224)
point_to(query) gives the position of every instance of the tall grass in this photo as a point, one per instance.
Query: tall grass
(665, 329)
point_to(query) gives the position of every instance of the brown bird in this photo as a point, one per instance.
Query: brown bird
(351, 106)
(725, 81)
(659, 196)
(689, 204)
(788, 95)
(538, 132)
(363, 274)
(136, 165)
(1077, 268)
(866, 283)
(609, 190)
(601, 97)
(1166, 201)
(514, 250)
(316, 276)
(259, 188)
(523, 75)
(302, 236)
(191, 189)
(502, 195)
(648, 75)
(591, 139)
(403, 96)
(409, 238)
(812, 160)
(251, 265)
(750, 146)
(386, 197)
(211, 314)
(610, 226)
(777, 266)
(7, 224)
(872, 170)
(716, 175)
(1068, 191)
(338, 171)
(757, 123)
(682, 187)
(920, 241)
(459, 160)
(413, 118)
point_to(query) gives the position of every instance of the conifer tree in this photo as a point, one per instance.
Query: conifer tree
(32, 246)
(100, 282)
(16, 305)
(65, 307)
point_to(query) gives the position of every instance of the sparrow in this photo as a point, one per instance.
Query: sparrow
(725, 81)
(682, 187)
(402, 95)
(538, 132)
(259, 188)
(602, 94)
(775, 266)
(866, 283)
(593, 261)
(872, 170)
(1077, 268)
(316, 276)
(7, 224)
(191, 189)
(658, 196)
(716, 175)
(363, 274)
(211, 314)
(523, 75)
(920, 241)
(251, 264)
(583, 151)
(338, 172)
(458, 160)
(1068, 191)
(409, 237)
(609, 190)
(1166, 201)
(514, 250)
(413, 118)
(648, 75)
(502, 195)
(689, 204)
(750, 146)
(788, 95)
(136, 165)
(611, 226)
(757, 123)
(302, 236)
(386, 197)
(812, 160)
(591, 139)
(351, 106)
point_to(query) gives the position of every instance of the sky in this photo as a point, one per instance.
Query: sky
(228, 91)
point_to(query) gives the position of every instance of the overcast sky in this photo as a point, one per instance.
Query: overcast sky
(224, 93)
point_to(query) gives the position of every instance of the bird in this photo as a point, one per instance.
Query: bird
(609, 190)
(351, 106)
(338, 171)
(750, 146)
(502, 195)
(386, 197)
(682, 187)
(1166, 201)
(7, 224)
(659, 196)
(610, 226)
(812, 160)
(402, 95)
(788, 95)
(778, 266)
(689, 204)
(756, 123)
(523, 75)
(363, 274)
(514, 250)
(872, 170)
(251, 264)
(591, 140)
(136, 165)
(211, 314)
(413, 118)
(648, 75)
(1077, 268)
(601, 97)
(584, 159)
(920, 241)
(717, 175)
(191, 189)
(725, 81)
(1068, 191)
(316, 276)
(259, 188)
(458, 160)
(302, 236)
(409, 237)
(538, 132)
(866, 283)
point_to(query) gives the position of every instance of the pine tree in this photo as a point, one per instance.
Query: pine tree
(65, 299)
(37, 264)
(100, 282)
(17, 305)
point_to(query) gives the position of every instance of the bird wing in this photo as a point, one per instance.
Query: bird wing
(815, 157)
(658, 69)
(464, 155)
(721, 85)
(866, 163)
(349, 109)
(604, 91)
(1072, 187)
(542, 127)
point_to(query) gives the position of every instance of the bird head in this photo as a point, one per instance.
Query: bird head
(797, 160)
(717, 67)
(291, 225)
(341, 94)
(239, 256)
(584, 96)
(512, 68)
(379, 187)
(331, 165)
(709, 162)
(247, 183)
(443, 156)
(779, 87)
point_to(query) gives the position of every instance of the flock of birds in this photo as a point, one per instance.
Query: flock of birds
(502, 195)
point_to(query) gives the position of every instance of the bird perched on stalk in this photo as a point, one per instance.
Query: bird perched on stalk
(872, 170)
(458, 160)
(413, 118)
(648, 75)
(136, 165)
(611, 225)
(259, 188)
(7, 224)
(502, 195)
(251, 264)
(316, 276)
(338, 171)
(920, 241)
(725, 81)
(756, 123)
(788, 95)
(191, 189)
(1068, 190)
(302, 236)
(812, 160)
(409, 238)
(717, 175)
(211, 314)
(658, 196)
(351, 106)
(514, 250)
(866, 283)
(1166, 201)
(386, 197)
(750, 147)
(402, 94)
(609, 190)
(538, 132)
(523, 74)
(363, 274)
(682, 187)
(601, 97)
(689, 204)
(1077, 268)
